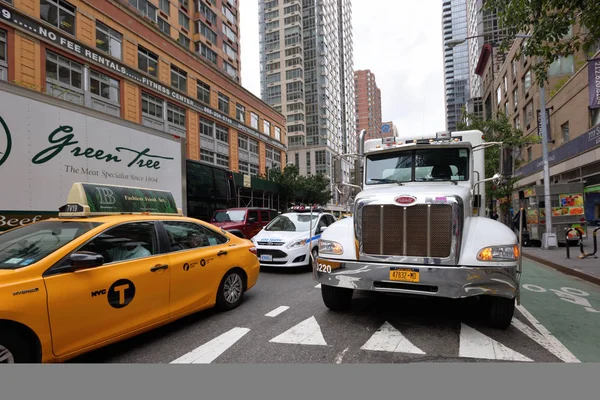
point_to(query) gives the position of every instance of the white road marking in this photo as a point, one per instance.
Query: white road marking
(276, 311)
(474, 344)
(318, 286)
(306, 332)
(209, 351)
(388, 338)
(566, 355)
(338, 359)
(538, 338)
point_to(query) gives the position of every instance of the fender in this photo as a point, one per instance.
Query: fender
(341, 231)
(480, 232)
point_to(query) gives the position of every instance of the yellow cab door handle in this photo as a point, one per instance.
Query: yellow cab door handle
(222, 253)
(159, 267)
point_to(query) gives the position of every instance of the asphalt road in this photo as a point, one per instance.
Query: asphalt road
(378, 329)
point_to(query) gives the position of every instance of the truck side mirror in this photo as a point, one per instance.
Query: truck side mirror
(506, 161)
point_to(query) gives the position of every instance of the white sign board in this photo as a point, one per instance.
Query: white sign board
(44, 149)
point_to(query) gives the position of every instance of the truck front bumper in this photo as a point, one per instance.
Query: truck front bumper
(438, 281)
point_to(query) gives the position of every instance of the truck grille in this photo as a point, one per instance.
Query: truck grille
(384, 233)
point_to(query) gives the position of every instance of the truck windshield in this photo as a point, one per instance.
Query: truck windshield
(27, 245)
(230, 216)
(441, 164)
(292, 223)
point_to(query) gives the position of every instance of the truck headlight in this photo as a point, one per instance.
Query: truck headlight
(329, 247)
(499, 253)
(297, 243)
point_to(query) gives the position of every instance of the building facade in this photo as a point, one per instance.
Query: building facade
(456, 60)
(118, 58)
(574, 122)
(306, 56)
(368, 104)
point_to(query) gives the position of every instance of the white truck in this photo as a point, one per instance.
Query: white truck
(419, 227)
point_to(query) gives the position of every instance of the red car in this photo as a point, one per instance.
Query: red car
(243, 222)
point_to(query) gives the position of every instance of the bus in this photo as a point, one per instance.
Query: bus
(209, 188)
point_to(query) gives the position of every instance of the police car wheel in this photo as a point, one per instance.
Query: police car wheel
(231, 290)
(13, 349)
(500, 311)
(336, 298)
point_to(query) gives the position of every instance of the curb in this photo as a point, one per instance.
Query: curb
(566, 270)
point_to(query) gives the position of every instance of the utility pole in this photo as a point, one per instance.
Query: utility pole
(549, 238)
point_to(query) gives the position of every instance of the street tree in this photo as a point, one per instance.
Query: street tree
(499, 130)
(316, 189)
(550, 22)
(288, 179)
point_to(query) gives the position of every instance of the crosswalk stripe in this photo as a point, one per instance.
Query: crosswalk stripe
(209, 351)
(539, 339)
(306, 332)
(474, 344)
(388, 338)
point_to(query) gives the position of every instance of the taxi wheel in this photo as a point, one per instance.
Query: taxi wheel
(13, 349)
(231, 290)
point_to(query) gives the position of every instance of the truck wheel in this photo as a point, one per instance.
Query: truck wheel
(13, 349)
(500, 311)
(336, 298)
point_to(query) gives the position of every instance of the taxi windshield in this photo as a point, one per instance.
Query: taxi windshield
(292, 223)
(230, 216)
(24, 246)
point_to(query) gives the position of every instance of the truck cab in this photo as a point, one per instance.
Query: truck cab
(418, 227)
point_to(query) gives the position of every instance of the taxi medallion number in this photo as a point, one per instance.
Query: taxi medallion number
(404, 275)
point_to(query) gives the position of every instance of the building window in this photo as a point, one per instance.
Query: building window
(293, 73)
(223, 160)
(271, 4)
(184, 40)
(272, 25)
(165, 6)
(564, 129)
(64, 78)
(240, 112)
(207, 156)
(3, 56)
(207, 32)
(224, 103)
(562, 66)
(515, 97)
(164, 26)
(274, 78)
(498, 95)
(184, 20)
(207, 12)
(242, 142)
(594, 117)
(152, 106)
(253, 146)
(528, 113)
(144, 7)
(254, 120)
(58, 13)
(229, 51)
(222, 133)
(518, 122)
(278, 133)
(243, 166)
(176, 115)
(515, 62)
(104, 86)
(229, 33)
(206, 127)
(178, 78)
(308, 165)
(267, 127)
(230, 69)
(203, 92)
(272, 14)
(526, 82)
(205, 52)
(184, 3)
(253, 169)
(147, 61)
(228, 14)
(297, 160)
(529, 154)
(109, 40)
(274, 94)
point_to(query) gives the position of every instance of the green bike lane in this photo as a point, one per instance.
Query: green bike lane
(566, 306)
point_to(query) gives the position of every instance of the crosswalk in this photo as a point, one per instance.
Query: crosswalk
(473, 344)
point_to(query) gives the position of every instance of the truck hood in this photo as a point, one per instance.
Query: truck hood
(421, 190)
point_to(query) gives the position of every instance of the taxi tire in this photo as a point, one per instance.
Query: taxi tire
(500, 311)
(337, 298)
(222, 303)
(16, 345)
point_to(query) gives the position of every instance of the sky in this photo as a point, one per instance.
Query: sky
(400, 41)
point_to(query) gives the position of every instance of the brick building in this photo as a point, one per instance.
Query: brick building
(368, 103)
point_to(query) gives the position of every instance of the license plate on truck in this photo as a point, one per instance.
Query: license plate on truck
(404, 275)
(266, 257)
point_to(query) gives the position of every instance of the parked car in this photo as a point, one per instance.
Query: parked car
(243, 222)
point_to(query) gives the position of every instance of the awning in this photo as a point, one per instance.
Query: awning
(592, 189)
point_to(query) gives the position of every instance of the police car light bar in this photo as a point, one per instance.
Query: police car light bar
(91, 199)
(306, 208)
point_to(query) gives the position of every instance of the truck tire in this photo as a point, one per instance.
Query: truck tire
(13, 349)
(336, 298)
(500, 311)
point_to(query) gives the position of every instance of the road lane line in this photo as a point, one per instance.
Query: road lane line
(388, 338)
(539, 339)
(338, 359)
(306, 332)
(209, 351)
(276, 311)
(474, 344)
(566, 355)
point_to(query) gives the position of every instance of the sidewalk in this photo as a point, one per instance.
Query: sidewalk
(587, 269)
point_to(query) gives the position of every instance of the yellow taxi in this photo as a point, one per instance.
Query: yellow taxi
(118, 261)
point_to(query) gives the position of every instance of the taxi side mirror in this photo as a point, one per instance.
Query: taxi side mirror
(85, 259)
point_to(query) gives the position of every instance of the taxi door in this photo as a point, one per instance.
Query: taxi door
(199, 258)
(129, 291)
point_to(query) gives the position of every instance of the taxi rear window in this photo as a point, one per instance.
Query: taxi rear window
(27, 245)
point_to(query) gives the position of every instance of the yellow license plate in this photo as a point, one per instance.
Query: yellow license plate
(405, 275)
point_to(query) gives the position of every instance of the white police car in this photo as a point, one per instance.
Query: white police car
(284, 242)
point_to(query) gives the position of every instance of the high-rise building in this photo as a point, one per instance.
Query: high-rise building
(307, 74)
(368, 103)
(456, 60)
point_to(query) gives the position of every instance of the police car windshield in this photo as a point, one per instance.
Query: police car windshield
(24, 246)
(441, 164)
(230, 216)
(292, 222)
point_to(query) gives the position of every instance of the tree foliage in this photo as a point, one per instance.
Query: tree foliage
(296, 188)
(549, 22)
(498, 130)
